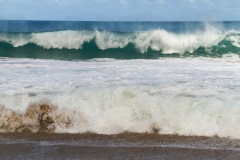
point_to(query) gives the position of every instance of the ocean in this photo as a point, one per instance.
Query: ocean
(119, 90)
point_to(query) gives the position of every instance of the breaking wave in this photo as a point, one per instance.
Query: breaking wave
(105, 44)
(114, 111)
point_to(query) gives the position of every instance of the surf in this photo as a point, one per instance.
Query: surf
(186, 96)
(127, 45)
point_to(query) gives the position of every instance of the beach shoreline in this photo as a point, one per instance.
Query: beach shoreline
(120, 146)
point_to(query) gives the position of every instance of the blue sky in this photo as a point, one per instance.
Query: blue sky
(120, 10)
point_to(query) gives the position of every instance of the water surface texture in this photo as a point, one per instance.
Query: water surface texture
(131, 79)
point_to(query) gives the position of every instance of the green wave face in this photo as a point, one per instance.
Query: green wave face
(72, 45)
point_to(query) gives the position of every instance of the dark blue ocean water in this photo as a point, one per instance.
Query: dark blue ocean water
(118, 26)
(120, 40)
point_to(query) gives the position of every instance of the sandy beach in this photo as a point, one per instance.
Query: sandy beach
(122, 146)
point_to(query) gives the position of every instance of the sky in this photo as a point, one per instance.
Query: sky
(121, 10)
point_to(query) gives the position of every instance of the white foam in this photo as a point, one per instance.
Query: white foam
(15, 40)
(169, 42)
(234, 39)
(231, 57)
(192, 96)
(62, 39)
(107, 40)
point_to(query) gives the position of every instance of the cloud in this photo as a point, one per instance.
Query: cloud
(1, 1)
(191, 1)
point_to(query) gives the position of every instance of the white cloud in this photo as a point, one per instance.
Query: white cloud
(191, 1)
(1, 1)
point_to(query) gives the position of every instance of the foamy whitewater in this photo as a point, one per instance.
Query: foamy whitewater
(192, 96)
(154, 80)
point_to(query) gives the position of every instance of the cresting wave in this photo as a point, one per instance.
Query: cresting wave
(161, 41)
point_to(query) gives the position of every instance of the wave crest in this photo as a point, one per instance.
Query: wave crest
(157, 40)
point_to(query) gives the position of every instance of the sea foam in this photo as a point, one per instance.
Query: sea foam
(189, 96)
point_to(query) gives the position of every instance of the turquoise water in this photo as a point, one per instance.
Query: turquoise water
(118, 40)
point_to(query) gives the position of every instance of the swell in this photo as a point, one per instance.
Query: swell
(89, 51)
(72, 45)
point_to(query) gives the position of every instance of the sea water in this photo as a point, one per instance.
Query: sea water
(180, 78)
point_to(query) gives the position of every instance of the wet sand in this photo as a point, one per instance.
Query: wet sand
(122, 146)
